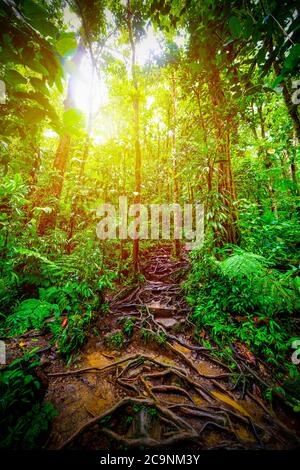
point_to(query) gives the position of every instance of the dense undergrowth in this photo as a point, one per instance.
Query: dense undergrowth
(45, 289)
(56, 298)
(40, 294)
(24, 417)
(250, 301)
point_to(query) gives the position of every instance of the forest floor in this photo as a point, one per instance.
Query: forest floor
(160, 388)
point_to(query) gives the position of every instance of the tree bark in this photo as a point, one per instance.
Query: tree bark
(48, 220)
(226, 187)
(174, 162)
(267, 162)
(291, 107)
(137, 144)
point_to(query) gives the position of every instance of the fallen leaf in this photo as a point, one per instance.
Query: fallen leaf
(245, 353)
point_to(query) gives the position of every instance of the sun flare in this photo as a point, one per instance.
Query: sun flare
(90, 91)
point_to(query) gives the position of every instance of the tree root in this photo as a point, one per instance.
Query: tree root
(132, 358)
(94, 368)
(171, 389)
(96, 419)
(192, 366)
(185, 430)
(148, 441)
(204, 393)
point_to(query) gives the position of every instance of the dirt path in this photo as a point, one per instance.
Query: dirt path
(161, 389)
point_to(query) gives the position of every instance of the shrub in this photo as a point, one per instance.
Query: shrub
(24, 418)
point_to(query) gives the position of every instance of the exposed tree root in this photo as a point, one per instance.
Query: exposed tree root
(185, 431)
(94, 368)
(193, 367)
(110, 411)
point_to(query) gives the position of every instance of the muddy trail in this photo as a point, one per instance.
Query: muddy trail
(161, 389)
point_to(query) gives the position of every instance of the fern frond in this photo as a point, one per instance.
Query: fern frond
(245, 264)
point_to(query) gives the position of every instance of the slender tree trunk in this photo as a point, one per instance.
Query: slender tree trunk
(293, 170)
(210, 177)
(283, 161)
(48, 220)
(267, 163)
(210, 162)
(33, 175)
(174, 162)
(291, 107)
(225, 176)
(86, 148)
(137, 144)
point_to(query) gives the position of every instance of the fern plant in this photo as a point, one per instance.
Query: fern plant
(271, 292)
(242, 263)
(243, 299)
(31, 313)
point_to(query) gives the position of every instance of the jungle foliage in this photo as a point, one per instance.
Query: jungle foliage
(208, 113)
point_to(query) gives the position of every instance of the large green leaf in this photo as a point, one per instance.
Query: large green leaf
(38, 67)
(39, 85)
(37, 16)
(36, 96)
(293, 59)
(14, 77)
(33, 115)
(235, 26)
(67, 44)
(50, 61)
(277, 81)
(73, 120)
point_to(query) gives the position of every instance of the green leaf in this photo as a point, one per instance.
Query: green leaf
(37, 16)
(235, 26)
(7, 55)
(293, 59)
(33, 10)
(38, 84)
(36, 96)
(58, 83)
(38, 67)
(34, 115)
(14, 77)
(247, 28)
(50, 61)
(277, 81)
(67, 44)
(73, 119)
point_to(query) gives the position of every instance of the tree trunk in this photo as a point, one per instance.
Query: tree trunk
(174, 163)
(137, 145)
(210, 162)
(226, 187)
(291, 107)
(86, 148)
(267, 163)
(293, 170)
(48, 220)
